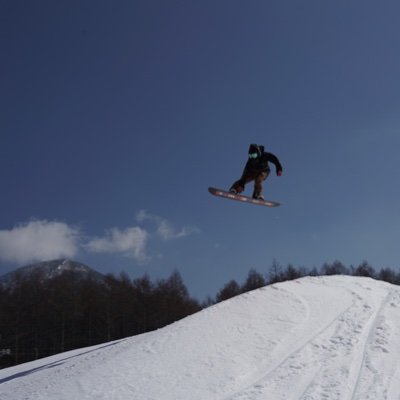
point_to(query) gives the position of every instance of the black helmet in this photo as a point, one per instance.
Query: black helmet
(255, 150)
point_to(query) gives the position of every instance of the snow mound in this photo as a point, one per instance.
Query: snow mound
(313, 338)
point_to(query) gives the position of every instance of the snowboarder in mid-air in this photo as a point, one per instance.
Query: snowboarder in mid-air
(257, 170)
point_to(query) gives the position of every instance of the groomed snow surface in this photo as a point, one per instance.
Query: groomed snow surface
(313, 339)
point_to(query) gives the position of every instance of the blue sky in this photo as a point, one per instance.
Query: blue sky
(117, 116)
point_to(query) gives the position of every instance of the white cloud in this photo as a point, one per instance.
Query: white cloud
(164, 228)
(130, 242)
(38, 240)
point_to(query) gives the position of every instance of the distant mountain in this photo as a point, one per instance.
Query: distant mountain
(52, 269)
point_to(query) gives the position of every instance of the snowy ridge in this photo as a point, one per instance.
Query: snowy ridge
(311, 339)
(51, 269)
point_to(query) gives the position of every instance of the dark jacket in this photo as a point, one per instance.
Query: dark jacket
(260, 164)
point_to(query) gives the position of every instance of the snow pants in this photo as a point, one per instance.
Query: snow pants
(248, 176)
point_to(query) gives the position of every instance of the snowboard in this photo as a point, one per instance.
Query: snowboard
(240, 197)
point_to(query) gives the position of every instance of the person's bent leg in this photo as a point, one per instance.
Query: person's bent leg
(262, 176)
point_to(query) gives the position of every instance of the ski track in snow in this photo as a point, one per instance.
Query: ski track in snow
(325, 338)
(355, 334)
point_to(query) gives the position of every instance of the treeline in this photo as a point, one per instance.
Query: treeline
(277, 273)
(40, 317)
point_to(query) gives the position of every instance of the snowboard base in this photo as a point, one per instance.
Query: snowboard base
(242, 198)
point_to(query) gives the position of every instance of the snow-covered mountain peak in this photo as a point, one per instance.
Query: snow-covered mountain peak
(51, 269)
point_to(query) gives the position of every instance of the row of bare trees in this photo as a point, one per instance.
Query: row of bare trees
(40, 317)
(278, 273)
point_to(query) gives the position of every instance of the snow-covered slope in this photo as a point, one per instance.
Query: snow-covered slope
(314, 338)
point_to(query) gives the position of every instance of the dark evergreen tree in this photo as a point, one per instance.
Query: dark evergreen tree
(254, 281)
(275, 272)
(291, 273)
(336, 268)
(388, 275)
(173, 300)
(364, 269)
(231, 289)
(145, 310)
(314, 272)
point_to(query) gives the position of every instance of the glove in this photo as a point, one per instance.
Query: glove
(279, 173)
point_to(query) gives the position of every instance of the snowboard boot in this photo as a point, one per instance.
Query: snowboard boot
(236, 189)
(258, 196)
